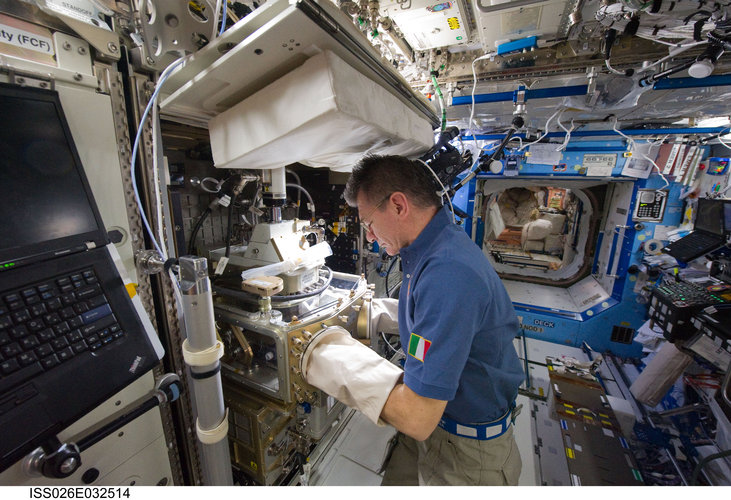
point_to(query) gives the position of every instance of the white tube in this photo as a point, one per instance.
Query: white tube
(321, 251)
(269, 270)
(312, 256)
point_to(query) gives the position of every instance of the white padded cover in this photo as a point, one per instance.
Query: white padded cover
(322, 114)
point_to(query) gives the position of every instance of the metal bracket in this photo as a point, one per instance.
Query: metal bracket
(172, 26)
(30, 80)
(85, 19)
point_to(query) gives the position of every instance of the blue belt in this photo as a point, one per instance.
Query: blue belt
(481, 432)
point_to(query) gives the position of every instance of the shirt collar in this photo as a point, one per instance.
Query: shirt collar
(430, 232)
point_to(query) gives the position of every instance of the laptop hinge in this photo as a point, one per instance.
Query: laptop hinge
(90, 245)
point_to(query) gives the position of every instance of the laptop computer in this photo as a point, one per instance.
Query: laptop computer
(70, 335)
(709, 232)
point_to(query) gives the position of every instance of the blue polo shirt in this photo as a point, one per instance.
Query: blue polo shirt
(457, 325)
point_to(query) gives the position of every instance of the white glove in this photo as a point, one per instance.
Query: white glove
(384, 316)
(347, 370)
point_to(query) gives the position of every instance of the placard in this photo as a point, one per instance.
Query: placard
(544, 154)
(599, 165)
(26, 41)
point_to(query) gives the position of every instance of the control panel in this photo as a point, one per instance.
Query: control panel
(650, 206)
(674, 303)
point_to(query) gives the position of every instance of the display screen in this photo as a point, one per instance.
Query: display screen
(43, 195)
(710, 216)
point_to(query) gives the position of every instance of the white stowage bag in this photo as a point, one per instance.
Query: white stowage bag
(536, 230)
(557, 221)
(660, 374)
(347, 370)
(533, 246)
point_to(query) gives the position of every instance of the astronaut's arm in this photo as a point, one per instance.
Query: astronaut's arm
(412, 414)
(350, 372)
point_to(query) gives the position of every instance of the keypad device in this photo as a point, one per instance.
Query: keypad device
(47, 323)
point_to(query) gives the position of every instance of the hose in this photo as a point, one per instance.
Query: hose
(229, 231)
(702, 463)
(196, 228)
(312, 203)
(297, 178)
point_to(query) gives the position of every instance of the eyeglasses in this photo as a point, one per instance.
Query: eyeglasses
(367, 225)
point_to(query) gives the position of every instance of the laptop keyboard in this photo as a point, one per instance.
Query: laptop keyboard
(692, 243)
(46, 324)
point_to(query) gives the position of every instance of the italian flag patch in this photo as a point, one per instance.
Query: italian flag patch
(418, 346)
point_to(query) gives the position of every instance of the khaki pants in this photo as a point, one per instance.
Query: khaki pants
(444, 459)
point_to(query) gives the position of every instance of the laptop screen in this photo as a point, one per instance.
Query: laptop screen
(46, 204)
(710, 216)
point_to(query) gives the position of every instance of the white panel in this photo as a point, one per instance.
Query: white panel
(616, 217)
(90, 119)
(428, 24)
(577, 298)
(121, 447)
(525, 438)
(540, 295)
(587, 293)
(268, 53)
(73, 54)
(355, 457)
(513, 23)
(213, 51)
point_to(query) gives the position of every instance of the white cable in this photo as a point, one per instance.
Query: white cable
(649, 150)
(684, 44)
(176, 290)
(615, 71)
(216, 182)
(722, 141)
(396, 351)
(216, 11)
(545, 133)
(629, 139)
(568, 132)
(156, 180)
(671, 54)
(632, 149)
(474, 86)
(721, 193)
(444, 190)
(461, 143)
(150, 104)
